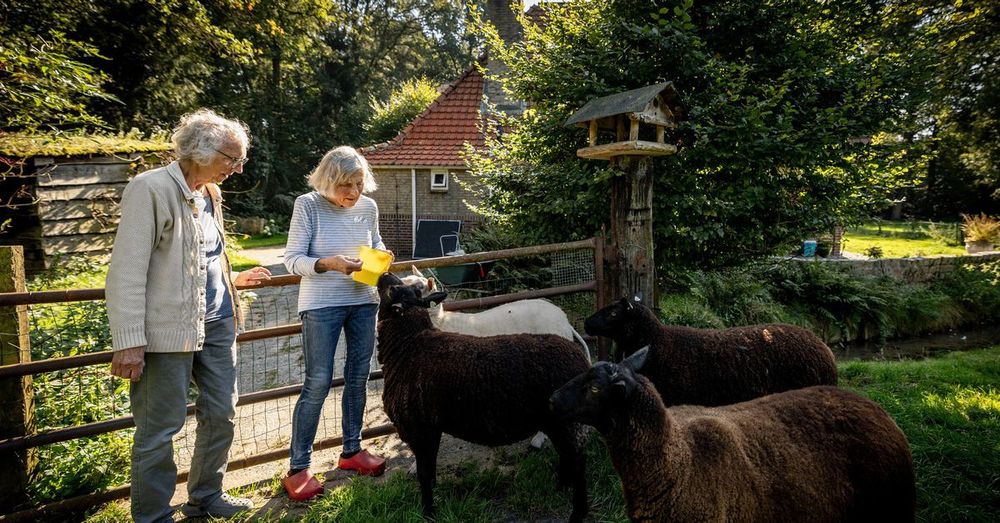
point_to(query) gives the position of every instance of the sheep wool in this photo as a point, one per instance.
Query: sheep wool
(717, 366)
(819, 454)
(490, 391)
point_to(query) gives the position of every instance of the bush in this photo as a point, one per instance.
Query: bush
(76, 396)
(838, 305)
(980, 228)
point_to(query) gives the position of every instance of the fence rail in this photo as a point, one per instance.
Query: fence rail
(16, 371)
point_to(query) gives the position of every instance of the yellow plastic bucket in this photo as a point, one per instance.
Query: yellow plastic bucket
(374, 263)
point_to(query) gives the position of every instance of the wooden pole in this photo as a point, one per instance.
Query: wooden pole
(632, 229)
(16, 394)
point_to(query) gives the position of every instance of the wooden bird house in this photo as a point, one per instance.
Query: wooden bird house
(625, 114)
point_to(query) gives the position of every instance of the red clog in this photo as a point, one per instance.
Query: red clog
(302, 486)
(363, 463)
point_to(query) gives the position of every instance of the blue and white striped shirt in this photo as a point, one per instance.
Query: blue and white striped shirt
(320, 229)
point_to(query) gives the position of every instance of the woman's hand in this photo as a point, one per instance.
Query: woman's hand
(338, 263)
(128, 363)
(251, 277)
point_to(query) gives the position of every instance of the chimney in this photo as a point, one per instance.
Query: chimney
(502, 15)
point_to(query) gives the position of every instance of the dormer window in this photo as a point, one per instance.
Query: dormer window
(439, 181)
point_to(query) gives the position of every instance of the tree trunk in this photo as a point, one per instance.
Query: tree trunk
(633, 267)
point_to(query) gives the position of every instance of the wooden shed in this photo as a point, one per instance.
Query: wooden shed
(630, 116)
(61, 196)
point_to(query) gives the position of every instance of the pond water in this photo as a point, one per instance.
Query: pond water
(919, 348)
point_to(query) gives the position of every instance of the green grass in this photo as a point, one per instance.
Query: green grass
(250, 242)
(241, 262)
(903, 239)
(949, 409)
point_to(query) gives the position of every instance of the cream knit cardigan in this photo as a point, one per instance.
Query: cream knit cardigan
(155, 288)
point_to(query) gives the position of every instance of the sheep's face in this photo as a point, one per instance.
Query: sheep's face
(396, 296)
(618, 321)
(595, 396)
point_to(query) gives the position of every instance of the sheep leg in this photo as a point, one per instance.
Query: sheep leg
(568, 442)
(425, 449)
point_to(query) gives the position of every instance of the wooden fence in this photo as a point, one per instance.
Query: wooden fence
(13, 447)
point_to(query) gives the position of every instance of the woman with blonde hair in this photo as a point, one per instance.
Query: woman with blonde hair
(174, 314)
(328, 227)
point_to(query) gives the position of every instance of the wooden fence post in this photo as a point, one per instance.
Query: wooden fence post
(632, 229)
(16, 394)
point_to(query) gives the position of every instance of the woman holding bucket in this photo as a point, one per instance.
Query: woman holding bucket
(328, 228)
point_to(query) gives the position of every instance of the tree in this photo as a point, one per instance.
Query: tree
(776, 97)
(45, 81)
(404, 104)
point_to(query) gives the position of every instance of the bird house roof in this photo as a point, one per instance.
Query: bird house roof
(636, 101)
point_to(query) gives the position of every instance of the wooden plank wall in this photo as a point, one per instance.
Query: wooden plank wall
(66, 205)
(78, 202)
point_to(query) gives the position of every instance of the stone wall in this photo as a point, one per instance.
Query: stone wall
(913, 270)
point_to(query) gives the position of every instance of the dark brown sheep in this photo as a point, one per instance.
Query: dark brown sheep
(819, 454)
(714, 367)
(490, 391)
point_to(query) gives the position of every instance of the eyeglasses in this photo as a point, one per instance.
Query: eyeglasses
(234, 162)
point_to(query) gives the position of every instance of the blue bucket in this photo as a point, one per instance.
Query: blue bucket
(809, 248)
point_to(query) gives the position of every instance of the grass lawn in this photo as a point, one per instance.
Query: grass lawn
(903, 239)
(250, 242)
(948, 406)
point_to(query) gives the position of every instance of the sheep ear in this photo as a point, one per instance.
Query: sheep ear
(629, 304)
(416, 271)
(637, 359)
(431, 284)
(435, 298)
(638, 297)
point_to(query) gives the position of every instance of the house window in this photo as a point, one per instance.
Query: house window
(439, 181)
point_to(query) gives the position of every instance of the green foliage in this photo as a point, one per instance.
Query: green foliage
(949, 409)
(980, 228)
(21, 145)
(874, 252)
(45, 82)
(76, 396)
(838, 305)
(765, 150)
(403, 105)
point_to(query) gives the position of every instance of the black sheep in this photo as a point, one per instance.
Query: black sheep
(490, 391)
(819, 454)
(712, 367)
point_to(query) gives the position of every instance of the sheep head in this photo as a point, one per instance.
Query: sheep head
(396, 296)
(594, 397)
(621, 321)
(423, 283)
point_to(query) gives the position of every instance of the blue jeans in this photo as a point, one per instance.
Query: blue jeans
(320, 332)
(159, 405)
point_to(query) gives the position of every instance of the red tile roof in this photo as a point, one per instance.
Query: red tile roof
(438, 136)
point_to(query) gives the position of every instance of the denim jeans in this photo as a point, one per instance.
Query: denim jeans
(159, 405)
(320, 333)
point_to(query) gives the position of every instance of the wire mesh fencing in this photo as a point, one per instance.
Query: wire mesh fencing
(90, 394)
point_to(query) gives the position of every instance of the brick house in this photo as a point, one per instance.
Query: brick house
(418, 170)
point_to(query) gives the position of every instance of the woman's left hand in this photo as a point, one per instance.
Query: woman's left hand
(251, 277)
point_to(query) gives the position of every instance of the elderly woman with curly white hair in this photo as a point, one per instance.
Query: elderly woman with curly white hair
(174, 315)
